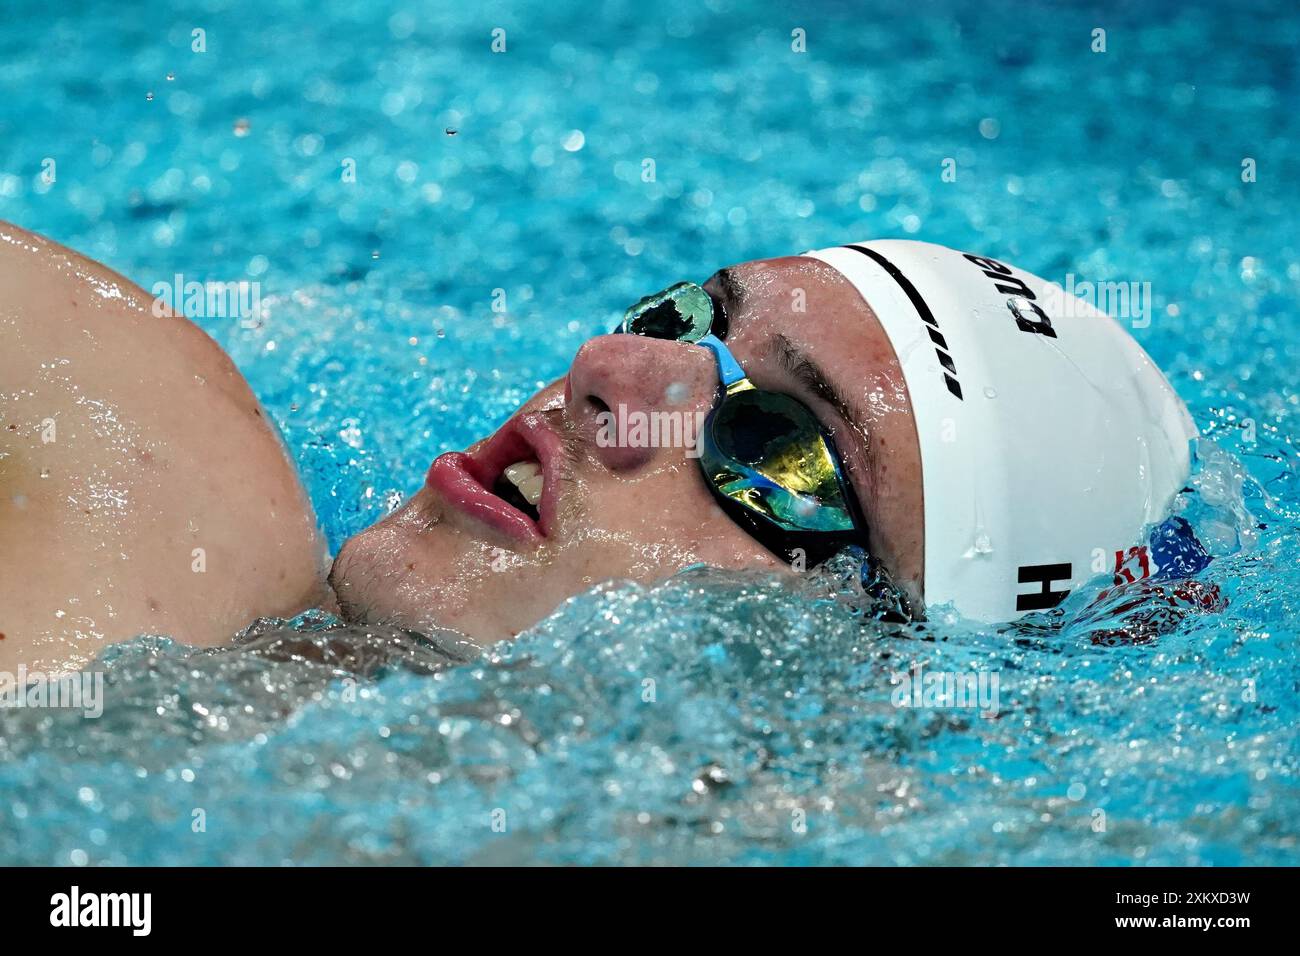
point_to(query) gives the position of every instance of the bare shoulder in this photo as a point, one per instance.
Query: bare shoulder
(52, 295)
(142, 488)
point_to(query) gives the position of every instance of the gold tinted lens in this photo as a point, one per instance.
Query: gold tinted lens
(767, 452)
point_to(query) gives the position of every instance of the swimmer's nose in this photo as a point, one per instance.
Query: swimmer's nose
(620, 382)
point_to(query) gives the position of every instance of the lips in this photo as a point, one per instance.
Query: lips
(464, 480)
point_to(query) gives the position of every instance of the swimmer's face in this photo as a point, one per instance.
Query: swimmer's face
(467, 551)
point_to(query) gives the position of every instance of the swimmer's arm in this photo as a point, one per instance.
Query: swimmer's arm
(142, 488)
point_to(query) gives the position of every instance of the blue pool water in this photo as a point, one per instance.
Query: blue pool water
(716, 718)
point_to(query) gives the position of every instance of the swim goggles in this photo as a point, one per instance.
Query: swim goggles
(767, 459)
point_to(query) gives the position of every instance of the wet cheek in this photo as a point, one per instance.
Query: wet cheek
(450, 578)
(704, 533)
(652, 526)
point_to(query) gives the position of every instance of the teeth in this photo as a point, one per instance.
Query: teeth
(527, 477)
(532, 489)
(521, 471)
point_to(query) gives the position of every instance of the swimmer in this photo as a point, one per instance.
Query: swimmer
(981, 439)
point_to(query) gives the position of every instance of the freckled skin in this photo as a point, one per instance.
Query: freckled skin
(645, 513)
(127, 441)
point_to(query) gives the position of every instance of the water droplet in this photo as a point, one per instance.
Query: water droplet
(981, 545)
(374, 254)
(171, 77)
(712, 777)
(241, 127)
(149, 96)
(990, 392)
(45, 472)
(451, 132)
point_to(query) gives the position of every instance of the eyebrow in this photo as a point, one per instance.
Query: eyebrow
(809, 374)
(733, 293)
(795, 362)
(799, 365)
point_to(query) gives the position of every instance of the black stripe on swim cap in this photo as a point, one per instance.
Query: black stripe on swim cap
(932, 324)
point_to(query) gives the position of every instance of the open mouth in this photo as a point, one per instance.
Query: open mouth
(507, 481)
(520, 485)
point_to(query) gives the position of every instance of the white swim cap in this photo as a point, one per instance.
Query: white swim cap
(1048, 437)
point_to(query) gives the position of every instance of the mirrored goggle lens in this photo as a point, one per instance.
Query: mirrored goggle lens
(683, 312)
(767, 452)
